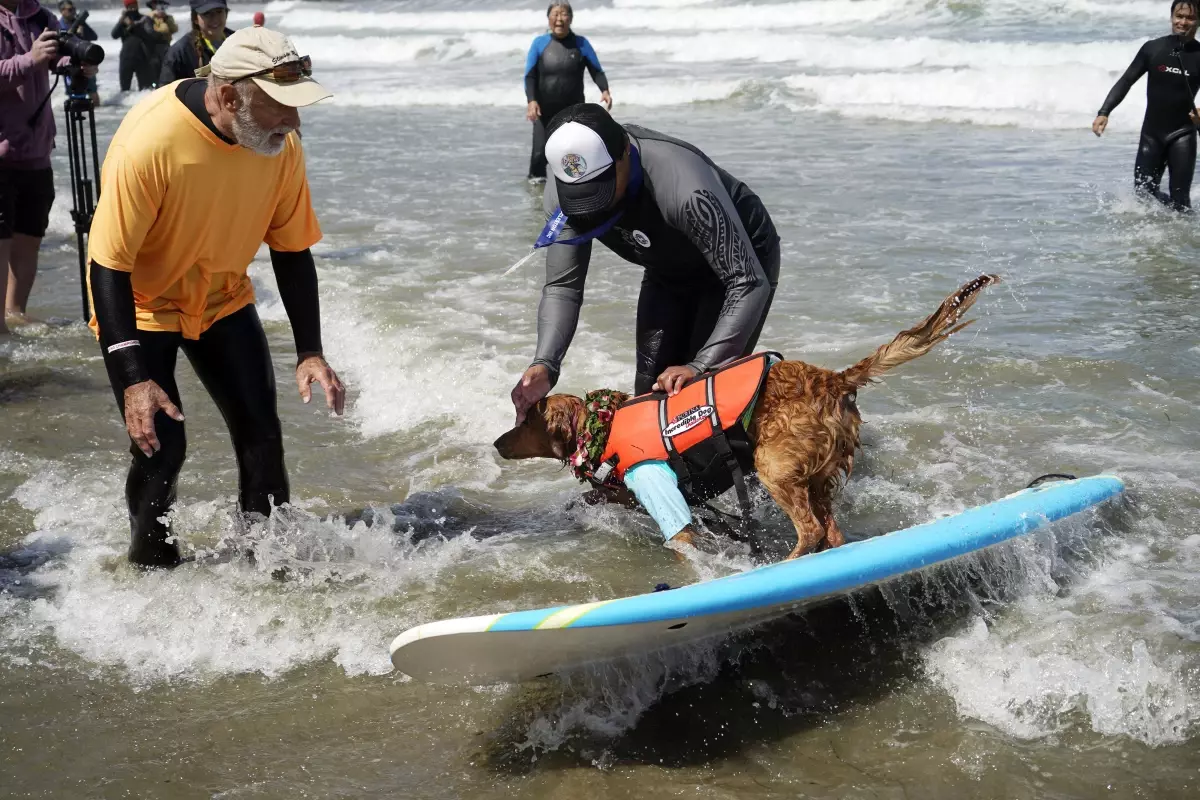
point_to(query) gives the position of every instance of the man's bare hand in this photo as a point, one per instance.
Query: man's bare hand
(533, 386)
(142, 401)
(606, 98)
(533, 111)
(1100, 123)
(45, 49)
(313, 369)
(673, 378)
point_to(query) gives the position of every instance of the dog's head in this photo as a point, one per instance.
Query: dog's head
(548, 430)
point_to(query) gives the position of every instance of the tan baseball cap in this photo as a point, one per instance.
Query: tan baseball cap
(255, 52)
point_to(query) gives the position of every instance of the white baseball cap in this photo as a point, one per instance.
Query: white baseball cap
(254, 53)
(582, 152)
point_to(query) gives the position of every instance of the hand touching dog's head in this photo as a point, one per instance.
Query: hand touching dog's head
(548, 431)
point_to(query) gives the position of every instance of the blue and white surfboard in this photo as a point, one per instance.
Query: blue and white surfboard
(525, 644)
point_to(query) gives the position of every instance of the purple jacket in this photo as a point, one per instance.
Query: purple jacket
(22, 87)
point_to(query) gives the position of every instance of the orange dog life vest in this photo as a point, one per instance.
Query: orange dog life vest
(697, 432)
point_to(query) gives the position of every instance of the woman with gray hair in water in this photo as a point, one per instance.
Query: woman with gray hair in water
(554, 78)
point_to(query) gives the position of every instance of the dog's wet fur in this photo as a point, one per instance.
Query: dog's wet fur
(805, 423)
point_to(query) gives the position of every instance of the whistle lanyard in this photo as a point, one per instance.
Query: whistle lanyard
(558, 220)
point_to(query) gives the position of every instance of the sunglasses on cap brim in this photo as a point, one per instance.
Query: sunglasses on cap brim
(290, 72)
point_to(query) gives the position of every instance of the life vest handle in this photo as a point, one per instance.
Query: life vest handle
(721, 443)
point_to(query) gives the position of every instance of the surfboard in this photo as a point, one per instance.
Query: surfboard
(520, 645)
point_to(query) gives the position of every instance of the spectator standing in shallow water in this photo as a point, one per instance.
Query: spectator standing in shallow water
(164, 29)
(1171, 65)
(136, 32)
(196, 49)
(554, 78)
(67, 9)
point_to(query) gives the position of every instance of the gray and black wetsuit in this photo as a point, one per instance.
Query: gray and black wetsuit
(1172, 70)
(711, 256)
(554, 78)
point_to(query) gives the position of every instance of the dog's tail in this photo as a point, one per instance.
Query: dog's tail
(920, 339)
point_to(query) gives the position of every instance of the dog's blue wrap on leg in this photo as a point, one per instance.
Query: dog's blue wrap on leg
(656, 487)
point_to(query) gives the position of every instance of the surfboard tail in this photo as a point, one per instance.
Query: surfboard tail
(923, 337)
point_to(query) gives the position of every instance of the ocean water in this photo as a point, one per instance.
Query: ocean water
(902, 147)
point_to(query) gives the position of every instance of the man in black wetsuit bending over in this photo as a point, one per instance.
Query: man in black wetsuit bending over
(554, 78)
(1172, 65)
(707, 244)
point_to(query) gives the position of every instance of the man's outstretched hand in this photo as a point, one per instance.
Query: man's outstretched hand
(313, 369)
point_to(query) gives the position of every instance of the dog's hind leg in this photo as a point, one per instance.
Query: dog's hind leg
(822, 497)
(777, 471)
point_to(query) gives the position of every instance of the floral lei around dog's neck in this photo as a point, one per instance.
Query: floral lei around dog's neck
(592, 436)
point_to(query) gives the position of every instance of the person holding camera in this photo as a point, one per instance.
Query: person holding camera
(196, 49)
(68, 15)
(164, 29)
(28, 51)
(136, 32)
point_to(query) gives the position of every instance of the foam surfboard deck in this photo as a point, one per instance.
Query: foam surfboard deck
(525, 644)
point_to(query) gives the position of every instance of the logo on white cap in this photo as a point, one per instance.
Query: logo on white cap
(574, 164)
(576, 153)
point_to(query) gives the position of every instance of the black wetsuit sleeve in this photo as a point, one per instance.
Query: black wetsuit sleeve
(176, 64)
(562, 294)
(296, 276)
(593, 64)
(532, 59)
(694, 201)
(531, 83)
(112, 300)
(599, 77)
(1121, 88)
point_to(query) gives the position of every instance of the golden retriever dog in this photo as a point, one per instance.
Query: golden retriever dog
(804, 425)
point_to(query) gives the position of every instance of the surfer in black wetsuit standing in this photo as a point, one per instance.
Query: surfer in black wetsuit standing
(1172, 66)
(554, 78)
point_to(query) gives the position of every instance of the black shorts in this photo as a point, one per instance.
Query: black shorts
(25, 199)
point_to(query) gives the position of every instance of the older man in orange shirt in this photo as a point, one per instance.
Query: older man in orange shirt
(197, 177)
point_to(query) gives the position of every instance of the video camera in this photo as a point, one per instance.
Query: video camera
(82, 53)
(81, 131)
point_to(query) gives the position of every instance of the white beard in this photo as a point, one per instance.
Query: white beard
(249, 135)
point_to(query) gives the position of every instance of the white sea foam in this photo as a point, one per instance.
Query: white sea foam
(656, 93)
(1030, 682)
(595, 19)
(1008, 96)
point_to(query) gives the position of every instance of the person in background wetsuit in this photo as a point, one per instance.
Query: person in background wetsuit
(554, 78)
(196, 48)
(164, 29)
(136, 32)
(708, 246)
(197, 178)
(1172, 67)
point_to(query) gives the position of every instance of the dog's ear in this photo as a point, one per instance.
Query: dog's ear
(560, 415)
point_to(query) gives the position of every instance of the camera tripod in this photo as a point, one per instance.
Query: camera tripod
(85, 175)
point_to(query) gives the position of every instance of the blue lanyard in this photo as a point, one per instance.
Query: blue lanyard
(558, 219)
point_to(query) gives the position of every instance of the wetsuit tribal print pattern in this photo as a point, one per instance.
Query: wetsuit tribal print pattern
(713, 230)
